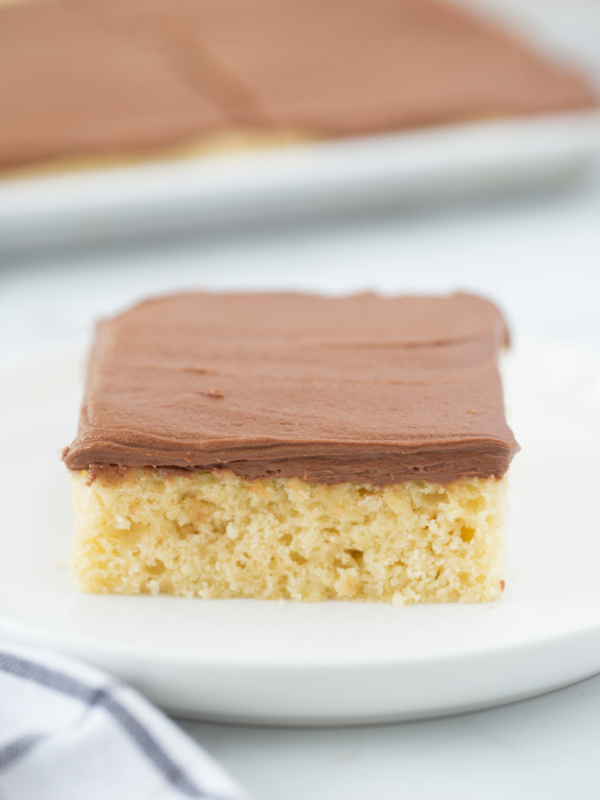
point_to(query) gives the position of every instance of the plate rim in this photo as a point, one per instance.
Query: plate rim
(435, 162)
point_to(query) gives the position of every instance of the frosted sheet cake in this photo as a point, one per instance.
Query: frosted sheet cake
(89, 82)
(294, 446)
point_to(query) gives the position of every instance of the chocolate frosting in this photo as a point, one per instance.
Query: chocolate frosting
(344, 67)
(94, 77)
(70, 88)
(365, 388)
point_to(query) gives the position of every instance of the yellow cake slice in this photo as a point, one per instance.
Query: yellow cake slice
(294, 446)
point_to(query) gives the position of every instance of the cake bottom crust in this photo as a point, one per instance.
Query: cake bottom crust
(224, 143)
(217, 535)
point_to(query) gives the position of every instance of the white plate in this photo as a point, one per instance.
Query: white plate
(281, 662)
(411, 167)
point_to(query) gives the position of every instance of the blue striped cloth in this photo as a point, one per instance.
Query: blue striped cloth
(70, 732)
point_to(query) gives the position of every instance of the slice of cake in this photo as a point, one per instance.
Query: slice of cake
(294, 446)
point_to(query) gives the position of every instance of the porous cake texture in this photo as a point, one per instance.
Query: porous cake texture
(218, 535)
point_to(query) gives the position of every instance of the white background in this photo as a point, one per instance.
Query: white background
(538, 255)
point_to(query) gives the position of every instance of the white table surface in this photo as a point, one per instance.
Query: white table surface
(539, 257)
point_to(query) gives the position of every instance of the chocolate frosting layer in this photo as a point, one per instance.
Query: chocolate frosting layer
(93, 77)
(343, 67)
(70, 88)
(365, 388)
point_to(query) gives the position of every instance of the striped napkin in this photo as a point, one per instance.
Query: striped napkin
(70, 732)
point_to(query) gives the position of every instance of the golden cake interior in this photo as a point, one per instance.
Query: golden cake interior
(218, 535)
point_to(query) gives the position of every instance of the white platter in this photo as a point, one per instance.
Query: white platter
(333, 662)
(199, 193)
